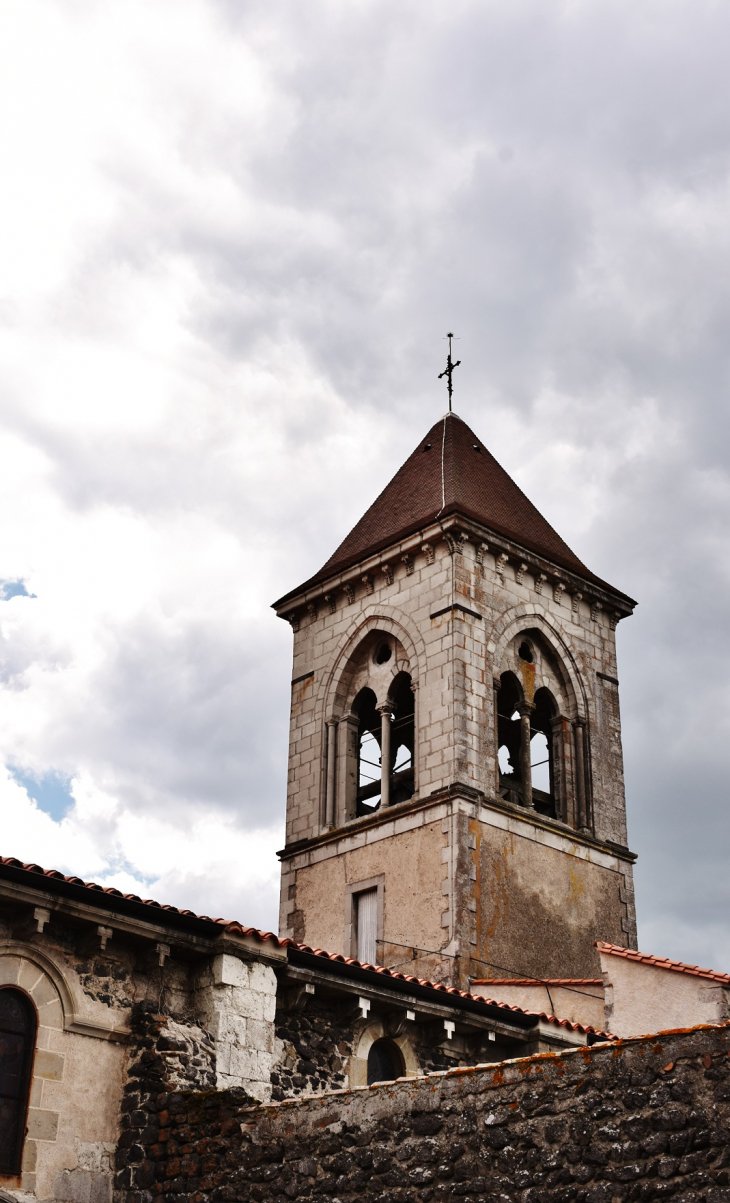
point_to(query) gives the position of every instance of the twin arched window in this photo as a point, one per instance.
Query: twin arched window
(18, 1026)
(542, 753)
(526, 747)
(385, 746)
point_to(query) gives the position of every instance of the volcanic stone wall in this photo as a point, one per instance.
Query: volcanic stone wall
(638, 1120)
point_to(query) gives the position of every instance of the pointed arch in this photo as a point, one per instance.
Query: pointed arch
(555, 727)
(393, 622)
(531, 615)
(356, 664)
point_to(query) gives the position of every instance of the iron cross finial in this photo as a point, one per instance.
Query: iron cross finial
(448, 371)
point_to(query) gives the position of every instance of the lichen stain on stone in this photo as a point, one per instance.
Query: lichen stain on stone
(498, 888)
(528, 680)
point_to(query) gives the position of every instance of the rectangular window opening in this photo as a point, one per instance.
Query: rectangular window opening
(366, 926)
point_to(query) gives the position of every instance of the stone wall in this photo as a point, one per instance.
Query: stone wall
(165, 1054)
(640, 1119)
(236, 1001)
(315, 1041)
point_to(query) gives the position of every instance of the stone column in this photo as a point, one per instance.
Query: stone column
(386, 714)
(496, 686)
(329, 804)
(526, 709)
(346, 771)
(414, 691)
(557, 755)
(580, 775)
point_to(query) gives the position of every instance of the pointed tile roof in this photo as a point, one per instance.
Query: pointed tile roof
(451, 472)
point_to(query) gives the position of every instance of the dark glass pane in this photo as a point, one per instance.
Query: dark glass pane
(10, 1118)
(384, 1062)
(12, 1065)
(15, 1012)
(17, 1040)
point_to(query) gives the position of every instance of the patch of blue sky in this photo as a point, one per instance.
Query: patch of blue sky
(10, 589)
(51, 792)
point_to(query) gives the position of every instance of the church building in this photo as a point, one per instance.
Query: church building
(456, 897)
(456, 795)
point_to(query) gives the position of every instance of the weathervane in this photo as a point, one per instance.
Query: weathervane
(449, 370)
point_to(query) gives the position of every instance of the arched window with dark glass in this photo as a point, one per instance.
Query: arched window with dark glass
(385, 1062)
(18, 1026)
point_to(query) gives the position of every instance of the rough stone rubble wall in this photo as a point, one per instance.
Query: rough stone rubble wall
(638, 1120)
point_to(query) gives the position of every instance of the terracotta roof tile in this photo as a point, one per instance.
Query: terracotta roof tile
(453, 990)
(537, 981)
(111, 893)
(472, 483)
(615, 950)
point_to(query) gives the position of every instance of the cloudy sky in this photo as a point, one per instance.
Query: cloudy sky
(233, 236)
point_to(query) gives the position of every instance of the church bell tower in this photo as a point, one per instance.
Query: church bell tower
(456, 801)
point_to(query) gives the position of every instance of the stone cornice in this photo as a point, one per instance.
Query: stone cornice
(457, 792)
(375, 573)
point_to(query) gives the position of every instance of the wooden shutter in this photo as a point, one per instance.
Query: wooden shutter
(367, 926)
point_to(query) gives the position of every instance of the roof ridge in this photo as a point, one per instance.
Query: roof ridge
(537, 981)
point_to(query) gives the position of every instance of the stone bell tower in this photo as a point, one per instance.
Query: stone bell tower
(456, 800)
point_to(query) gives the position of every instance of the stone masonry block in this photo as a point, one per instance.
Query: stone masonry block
(42, 1124)
(72, 1186)
(229, 971)
(48, 1065)
(9, 971)
(44, 991)
(29, 976)
(50, 1014)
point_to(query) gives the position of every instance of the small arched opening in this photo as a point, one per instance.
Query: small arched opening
(18, 1026)
(385, 1062)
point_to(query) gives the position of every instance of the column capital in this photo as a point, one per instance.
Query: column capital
(386, 708)
(331, 722)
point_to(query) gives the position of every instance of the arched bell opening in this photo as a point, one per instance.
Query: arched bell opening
(509, 699)
(369, 767)
(402, 739)
(542, 753)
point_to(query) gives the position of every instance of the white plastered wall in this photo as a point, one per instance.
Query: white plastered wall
(643, 998)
